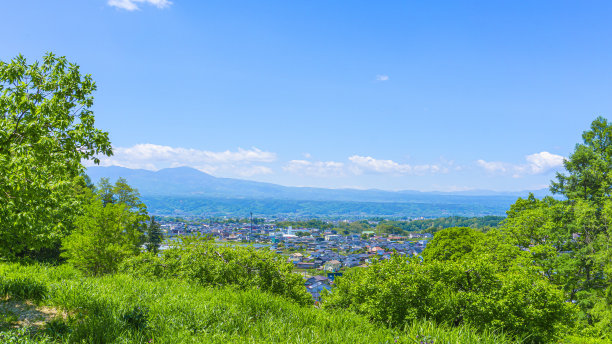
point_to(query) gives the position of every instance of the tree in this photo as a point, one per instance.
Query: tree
(359, 226)
(154, 236)
(122, 193)
(46, 131)
(389, 228)
(105, 190)
(104, 236)
(568, 241)
(111, 228)
(589, 166)
(452, 244)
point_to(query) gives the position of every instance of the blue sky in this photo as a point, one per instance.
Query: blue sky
(393, 95)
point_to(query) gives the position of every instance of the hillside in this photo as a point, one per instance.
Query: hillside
(187, 191)
(64, 306)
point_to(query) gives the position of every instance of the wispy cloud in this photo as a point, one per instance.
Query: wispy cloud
(382, 77)
(537, 163)
(367, 164)
(494, 166)
(132, 5)
(315, 168)
(359, 165)
(243, 162)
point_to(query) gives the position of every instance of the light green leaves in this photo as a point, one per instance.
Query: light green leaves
(46, 131)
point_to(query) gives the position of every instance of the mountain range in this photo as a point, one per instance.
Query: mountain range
(228, 196)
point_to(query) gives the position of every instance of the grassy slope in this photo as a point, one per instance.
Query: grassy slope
(110, 310)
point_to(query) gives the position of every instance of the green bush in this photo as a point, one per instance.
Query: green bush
(210, 264)
(399, 291)
(103, 237)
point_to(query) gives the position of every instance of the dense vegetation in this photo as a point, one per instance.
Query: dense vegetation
(399, 291)
(382, 226)
(197, 260)
(543, 275)
(126, 309)
(433, 225)
(46, 129)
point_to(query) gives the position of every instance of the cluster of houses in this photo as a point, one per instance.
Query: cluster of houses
(333, 253)
(319, 255)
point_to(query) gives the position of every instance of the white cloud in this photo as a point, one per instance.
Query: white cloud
(368, 163)
(543, 162)
(316, 168)
(358, 165)
(493, 166)
(132, 5)
(363, 164)
(382, 77)
(154, 157)
(537, 163)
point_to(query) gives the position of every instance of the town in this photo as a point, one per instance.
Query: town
(318, 254)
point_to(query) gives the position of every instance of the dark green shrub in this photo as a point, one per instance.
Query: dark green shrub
(136, 318)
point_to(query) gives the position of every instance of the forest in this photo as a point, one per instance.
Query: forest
(81, 262)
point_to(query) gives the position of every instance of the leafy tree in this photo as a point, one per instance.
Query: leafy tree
(46, 131)
(568, 241)
(122, 193)
(111, 228)
(452, 244)
(389, 228)
(104, 236)
(359, 226)
(589, 166)
(105, 190)
(154, 236)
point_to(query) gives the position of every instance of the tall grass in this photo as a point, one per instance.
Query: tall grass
(125, 309)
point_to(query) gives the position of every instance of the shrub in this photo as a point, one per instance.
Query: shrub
(210, 264)
(104, 236)
(399, 291)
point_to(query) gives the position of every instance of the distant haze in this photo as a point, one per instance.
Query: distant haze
(198, 193)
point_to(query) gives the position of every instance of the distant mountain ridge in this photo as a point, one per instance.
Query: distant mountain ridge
(187, 192)
(186, 181)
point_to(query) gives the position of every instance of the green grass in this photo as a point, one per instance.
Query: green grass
(124, 309)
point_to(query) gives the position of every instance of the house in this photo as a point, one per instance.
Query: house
(298, 256)
(314, 279)
(304, 265)
(377, 249)
(416, 251)
(332, 266)
(316, 289)
(334, 237)
(351, 262)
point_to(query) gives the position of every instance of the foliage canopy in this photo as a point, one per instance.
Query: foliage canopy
(46, 131)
